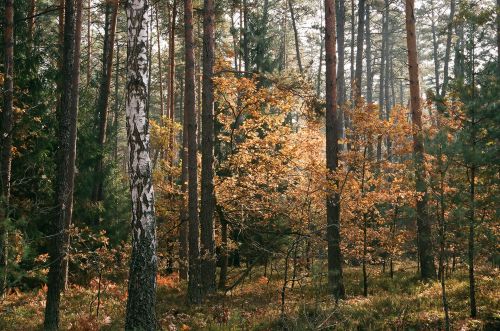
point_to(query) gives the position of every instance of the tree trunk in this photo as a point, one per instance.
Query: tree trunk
(224, 250)
(31, 21)
(359, 52)
(184, 219)
(296, 36)
(435, 47)
(442, 251)
(341, 91)
(369, 75)
(160, 71)
(332, 150)
(141, 301)
(66, 155)
(194, 284)
(449, 35)
(103, 99)
(171, 89)
(427, 267)
(6, 139)
(246, 51)
(208, 262)
(383, 55)
(89, 42)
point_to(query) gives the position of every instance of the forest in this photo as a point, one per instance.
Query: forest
(249, 165)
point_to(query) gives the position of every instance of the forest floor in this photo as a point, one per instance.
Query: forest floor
(401, 303)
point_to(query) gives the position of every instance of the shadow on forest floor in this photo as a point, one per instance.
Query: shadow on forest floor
(402, 303)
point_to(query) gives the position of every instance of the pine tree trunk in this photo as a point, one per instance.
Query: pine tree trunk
(296, 36)
(140, 313)
(208, 262)
(103, 99)
(435, 47)
(224, 250)
(194, 284)
(359, 52)
(171, 86)
(449, 35)
(6, 138)
(31, 20)
(335, 281)
(369, 75)
(160, 71)
(66, 156)
(427, 267)
(383, 78)
(341, 90)
(89, 42)
(246, 50)
(184, 219)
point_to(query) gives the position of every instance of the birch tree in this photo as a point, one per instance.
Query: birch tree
(143, 265)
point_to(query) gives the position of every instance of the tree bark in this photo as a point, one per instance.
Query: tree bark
(224, 250)
(359, 52)
(160, 71)
(6, 139)
(171, 86)
(341, 90)
(296, 36)
(31, 21)
(141, 301)
(103, 99)
(449, 35)
(335, 281)
(89, 43)
(208, 262)
(427, 268)
(66, 155)
(369, 75)
(435, 47)
(383, 55)
(194, 285)
(184, 219)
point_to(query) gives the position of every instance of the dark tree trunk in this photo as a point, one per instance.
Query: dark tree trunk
(31, 20)
(6, 138)
(66, 155)
(224, 250)
(141, 301)
(208, 262)
(435, 47)
(103, 99)
(359, 52)
(369, 75)
(296, 36)
(341, 90)
(171, 89)
(246, 51)
(427, 267)
(89, 42)
(449, 35)
(332, 150)
(184, 219)
(194, 284)
(383, 78)
(160, 71)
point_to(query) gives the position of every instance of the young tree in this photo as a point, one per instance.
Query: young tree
(194, 283)
(427, 269)
(140, 313)
(66, 156)
(6, 138)
(208, 262)
(332, 157)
